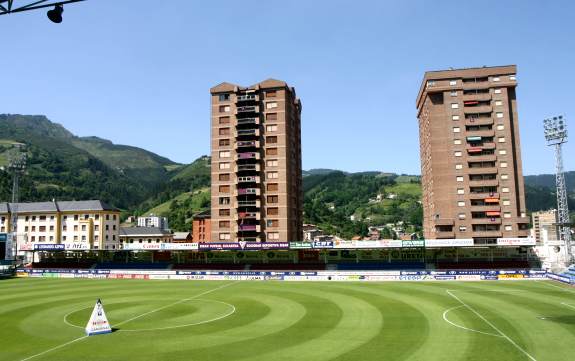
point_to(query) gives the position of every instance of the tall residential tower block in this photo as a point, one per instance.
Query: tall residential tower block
(256, 163)
(472, 180)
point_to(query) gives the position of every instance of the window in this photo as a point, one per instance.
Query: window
(454, 106)
(458, 154)
(86, 216)
(42, 229)
(497, 91)
(271, 151)
(506, 214)
(272, 175)
(508, 227)
(224, 189)
(273, 211)
(83, 238)
(460, 191)
(224, 236)
(505, 190)
(457, 141)
(75, 228)
(271, 94)
(506, 202)
(462, 229)
(96, 228)
(504, 177)
(453, 93)
(461, 216)
(224, 120)
(224, 97)
(224, 142)
(97, 216)
(502, 152)
(224, 224)
(271, 128)
(512, 77)
(272, 163)
(273, 236)
(273, 223)
(461, 204)
(503, 164)
(459, 166)
(75, 217)
(271, 116)
(225, 154)
(42, 218)
(272, 140)
(455, 117)
(225, 165)
(456, 129)
(271, 105)
(272, 187)
(499, 115)
(224, 108)
(459, 178)
(453, 82)
(224, 131)
(501, 139)
(498, 103)
(34, 218)
(224, 177)
(272, 199)
(64, 238)
(83, 227)
(107, 227)
(496, 78)
(224, 212)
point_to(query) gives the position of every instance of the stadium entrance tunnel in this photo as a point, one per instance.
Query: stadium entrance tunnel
(142, 316)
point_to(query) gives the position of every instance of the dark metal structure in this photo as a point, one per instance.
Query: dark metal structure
(12, 6)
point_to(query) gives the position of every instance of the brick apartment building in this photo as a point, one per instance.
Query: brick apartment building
(256, 163)
(470, 155)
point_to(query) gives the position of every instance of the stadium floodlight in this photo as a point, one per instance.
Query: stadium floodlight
(55, 15)
(555, 129)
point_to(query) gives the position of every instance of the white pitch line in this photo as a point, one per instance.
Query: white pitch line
(173, 304)
(492, 326)
(568, 305)
(463, 327)
(54, 348)
(133, 318)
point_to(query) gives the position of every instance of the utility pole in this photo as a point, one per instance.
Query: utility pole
(556, 134)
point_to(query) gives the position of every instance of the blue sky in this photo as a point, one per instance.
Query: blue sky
(139, 72)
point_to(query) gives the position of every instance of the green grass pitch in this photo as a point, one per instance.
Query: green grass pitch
(43, 319)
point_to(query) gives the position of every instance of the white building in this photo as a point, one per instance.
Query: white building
(153, 221)
(79, 225)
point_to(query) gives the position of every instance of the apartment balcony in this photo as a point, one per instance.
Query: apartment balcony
(248, 156)
(484, 196)
(249, 239)
(484, 183)
(249, 228)
(525, 220)
(444, 222)
(251, 203)
(476, 85)
(477, 97)
(444, 234)
(248, 168)
(248, 121)
(247, 144)
(486, 208)
(482, 158)
(487, 220)
(248, 191)
(249, 215)
(482, 170)
(249, 179)
(247, 109)
(481, 109)
(247, 98)
(247, 133)
(479, 121)
(487, 234)
(486, 133)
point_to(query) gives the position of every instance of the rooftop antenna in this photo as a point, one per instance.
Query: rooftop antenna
(556, 134)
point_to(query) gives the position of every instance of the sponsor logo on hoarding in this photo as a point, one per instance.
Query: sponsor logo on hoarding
(516, 241)
(300, 245)
(413, 243)
(510, 276)
(216, 246)
(458, 242)
(323, 244)
(49, 247)
(77, 246)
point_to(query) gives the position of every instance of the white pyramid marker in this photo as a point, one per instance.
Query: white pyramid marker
(98, 323)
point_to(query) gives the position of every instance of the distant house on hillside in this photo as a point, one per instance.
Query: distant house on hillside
(182, 237)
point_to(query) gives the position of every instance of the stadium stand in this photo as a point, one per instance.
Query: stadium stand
(570, 272)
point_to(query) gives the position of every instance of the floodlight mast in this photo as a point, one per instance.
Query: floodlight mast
(8, 6)
(17, 166)
(556, 134)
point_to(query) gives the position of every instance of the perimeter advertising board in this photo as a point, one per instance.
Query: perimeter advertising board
(242, 246)
(161, 247)
(516, 241)
(458, 242)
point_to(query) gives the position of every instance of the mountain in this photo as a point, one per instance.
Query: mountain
(64, 166)
(548, 181)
